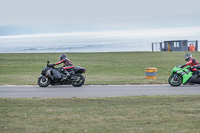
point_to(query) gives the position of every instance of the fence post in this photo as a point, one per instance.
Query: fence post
(196, 45)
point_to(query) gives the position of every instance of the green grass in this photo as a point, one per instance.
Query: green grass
(102, 68)
(152, 114)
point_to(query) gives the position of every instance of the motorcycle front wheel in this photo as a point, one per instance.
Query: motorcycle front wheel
(175, 80)
(78, 80)
(43, 81)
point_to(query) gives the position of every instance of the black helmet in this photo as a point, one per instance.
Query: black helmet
(62, 56)
(187, 56)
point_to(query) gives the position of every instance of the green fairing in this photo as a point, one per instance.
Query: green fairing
(187, 73)
(186, 77)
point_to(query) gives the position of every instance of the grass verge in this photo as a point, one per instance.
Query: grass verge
(102, 68)
(117, 115)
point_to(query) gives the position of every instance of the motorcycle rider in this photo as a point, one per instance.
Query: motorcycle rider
(193, 63)
(67, 67)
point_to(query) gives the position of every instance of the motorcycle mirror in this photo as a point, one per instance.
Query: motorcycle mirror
(47, 62)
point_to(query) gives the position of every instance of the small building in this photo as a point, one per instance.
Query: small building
(175, 45)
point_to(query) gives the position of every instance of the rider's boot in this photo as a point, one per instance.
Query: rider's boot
(198, 73)
(194, 76)
(65, 75)
(71, 73)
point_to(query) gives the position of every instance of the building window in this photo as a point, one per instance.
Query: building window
(176, 44)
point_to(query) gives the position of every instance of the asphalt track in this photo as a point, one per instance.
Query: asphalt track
(95, 91)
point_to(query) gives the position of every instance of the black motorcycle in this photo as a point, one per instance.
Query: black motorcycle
(47, 77)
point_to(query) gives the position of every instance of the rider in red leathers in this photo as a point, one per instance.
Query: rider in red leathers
(192, 62)
(67, 67)
(67, 63)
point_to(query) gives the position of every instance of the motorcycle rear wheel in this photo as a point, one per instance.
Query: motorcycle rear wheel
(175, 80)
(43, 81)
(80, 80)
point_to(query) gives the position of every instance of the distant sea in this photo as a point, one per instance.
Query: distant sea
(111, 41)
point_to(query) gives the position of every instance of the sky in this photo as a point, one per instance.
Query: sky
(89, 15)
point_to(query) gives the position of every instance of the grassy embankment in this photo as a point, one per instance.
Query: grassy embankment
(152, 114)
(102, 68)
(123, 115)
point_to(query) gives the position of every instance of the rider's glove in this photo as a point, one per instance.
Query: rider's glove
(183, 66)
(51, 65)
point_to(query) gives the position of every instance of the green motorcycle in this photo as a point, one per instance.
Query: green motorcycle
(182, 76)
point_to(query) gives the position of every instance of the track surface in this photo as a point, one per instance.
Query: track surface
(95, 91)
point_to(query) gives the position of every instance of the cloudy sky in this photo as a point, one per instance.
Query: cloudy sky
(95, 13)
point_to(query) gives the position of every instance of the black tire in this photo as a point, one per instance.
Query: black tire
(175, 80)
(43, 81)
(80, 80)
